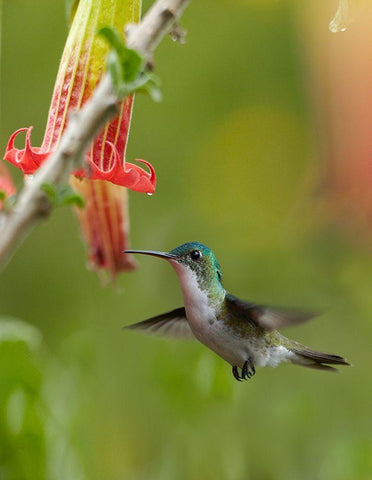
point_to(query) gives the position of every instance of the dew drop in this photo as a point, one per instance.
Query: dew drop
(341, 20)
(149, 194)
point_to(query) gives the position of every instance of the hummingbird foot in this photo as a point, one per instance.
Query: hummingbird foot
(248, 369)
(236, 373)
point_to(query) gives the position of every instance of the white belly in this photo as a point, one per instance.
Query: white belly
(214, 334)
(236, 350)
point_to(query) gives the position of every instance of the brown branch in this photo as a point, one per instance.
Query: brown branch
(33, 204)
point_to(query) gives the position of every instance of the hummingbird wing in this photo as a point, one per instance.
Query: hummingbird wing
(171, 324)
(268, 318)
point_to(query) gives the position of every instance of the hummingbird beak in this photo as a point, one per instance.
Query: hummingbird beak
(167, 256)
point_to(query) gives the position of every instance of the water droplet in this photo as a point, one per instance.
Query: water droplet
(150, 194)
(342, 19)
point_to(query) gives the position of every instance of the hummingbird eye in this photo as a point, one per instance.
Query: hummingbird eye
(195, 254)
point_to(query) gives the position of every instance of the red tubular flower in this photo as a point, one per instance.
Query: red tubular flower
(79, 73)
(104, 224)
(104, 221)
(6, 183)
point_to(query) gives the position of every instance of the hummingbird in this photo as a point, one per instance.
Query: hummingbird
(243, 333)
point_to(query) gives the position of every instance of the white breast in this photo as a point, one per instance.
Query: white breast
(197, 304)
(214, 333)
(199, 312)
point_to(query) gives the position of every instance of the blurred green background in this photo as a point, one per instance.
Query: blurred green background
(236, 150)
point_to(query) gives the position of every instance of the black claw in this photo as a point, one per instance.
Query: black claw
(248, 369)
(245, 372)
(236, 373)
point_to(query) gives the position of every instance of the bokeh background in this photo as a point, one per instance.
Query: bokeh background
(258, 150)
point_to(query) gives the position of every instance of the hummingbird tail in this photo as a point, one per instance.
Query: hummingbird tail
(317, 360)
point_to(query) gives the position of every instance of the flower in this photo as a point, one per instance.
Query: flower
(79, 73)
(7, 187)
(104, 224)
(102, 179)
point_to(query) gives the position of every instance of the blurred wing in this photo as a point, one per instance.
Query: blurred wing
(266, 317)
(171, 324)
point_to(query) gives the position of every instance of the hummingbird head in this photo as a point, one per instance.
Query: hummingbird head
(199, 259)
(193, 261)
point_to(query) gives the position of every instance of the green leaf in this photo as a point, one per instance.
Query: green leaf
(10, 202)
(51, 192)
(152, 87)
(7, 201)
(127, 61)
(127, 68)
(64, 195)
(68, 196)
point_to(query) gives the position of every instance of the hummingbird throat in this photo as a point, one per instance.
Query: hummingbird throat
(199, 296)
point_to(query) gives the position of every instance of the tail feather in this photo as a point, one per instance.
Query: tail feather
(319, 366)
(318, 360)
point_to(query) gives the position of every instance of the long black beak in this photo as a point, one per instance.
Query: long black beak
(167, 256)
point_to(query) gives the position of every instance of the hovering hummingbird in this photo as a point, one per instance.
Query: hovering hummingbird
(242, 333)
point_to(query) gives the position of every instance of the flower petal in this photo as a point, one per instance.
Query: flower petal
(104, 223)
(6, 182)
(27, 159)
(127, 175)
(130, 176)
